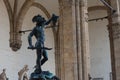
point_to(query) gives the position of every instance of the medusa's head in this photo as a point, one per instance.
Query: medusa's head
(38, 19)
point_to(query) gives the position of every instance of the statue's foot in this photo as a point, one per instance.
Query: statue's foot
(36, 67)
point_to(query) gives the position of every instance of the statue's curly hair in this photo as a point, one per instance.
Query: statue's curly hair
(38, 19)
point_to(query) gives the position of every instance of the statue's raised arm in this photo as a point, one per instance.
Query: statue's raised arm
(54, 19)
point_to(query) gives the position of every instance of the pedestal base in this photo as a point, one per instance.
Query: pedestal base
(44, 75)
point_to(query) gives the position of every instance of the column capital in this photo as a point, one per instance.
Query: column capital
(15, 44)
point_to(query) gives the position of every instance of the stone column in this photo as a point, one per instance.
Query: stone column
(67, 41)
(78, 40)
(84, 39)
(114, 30)
(73, 40)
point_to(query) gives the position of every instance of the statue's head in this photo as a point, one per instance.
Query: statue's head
(38, 19)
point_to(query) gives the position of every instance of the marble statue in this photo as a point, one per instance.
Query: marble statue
(3, 75)
(22, 75)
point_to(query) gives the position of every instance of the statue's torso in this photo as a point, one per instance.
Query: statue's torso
(39, 34)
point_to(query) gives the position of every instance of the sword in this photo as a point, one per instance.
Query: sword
(24, 31)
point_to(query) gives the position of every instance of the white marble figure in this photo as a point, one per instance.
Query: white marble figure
(22, 73)
(3, 75)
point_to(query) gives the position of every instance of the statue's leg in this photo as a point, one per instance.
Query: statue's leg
(38, 61)
(45, 57)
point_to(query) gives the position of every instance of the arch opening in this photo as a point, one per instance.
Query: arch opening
(100, 60)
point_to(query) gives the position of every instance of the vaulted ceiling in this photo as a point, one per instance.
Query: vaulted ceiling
(52, 5)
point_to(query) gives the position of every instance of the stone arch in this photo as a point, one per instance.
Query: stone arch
(41, 7)
(15, 37)
(104, 8)
(25, 9)
(9, 10)
(10, 15)
(16, 43)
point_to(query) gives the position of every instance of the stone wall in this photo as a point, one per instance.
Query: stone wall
(99, 46)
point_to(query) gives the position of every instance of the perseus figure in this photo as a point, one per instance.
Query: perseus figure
(38, 32)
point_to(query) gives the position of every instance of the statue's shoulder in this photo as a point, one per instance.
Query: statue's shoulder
(35, 28)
